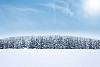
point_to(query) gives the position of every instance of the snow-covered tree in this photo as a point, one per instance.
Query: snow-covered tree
(49, 42)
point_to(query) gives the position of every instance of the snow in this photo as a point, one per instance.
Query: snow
(49, 58)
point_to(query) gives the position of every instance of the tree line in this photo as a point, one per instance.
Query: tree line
(49, 42)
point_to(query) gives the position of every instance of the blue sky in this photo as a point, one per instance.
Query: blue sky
(74, 16)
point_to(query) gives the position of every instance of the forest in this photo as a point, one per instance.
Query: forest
(49, 42)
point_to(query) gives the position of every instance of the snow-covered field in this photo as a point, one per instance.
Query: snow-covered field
(49, 58)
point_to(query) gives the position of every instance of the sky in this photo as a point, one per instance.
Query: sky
(26, 17)
(49, 58)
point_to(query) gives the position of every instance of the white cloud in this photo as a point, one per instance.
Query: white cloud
(51, 5)
(65, 9)
(20, 9)
(68, 11)
(26, 9)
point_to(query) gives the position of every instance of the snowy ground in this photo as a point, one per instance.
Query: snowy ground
(49, 58)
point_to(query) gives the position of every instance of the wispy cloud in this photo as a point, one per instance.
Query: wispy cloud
(18, 15)
(26, 9)
(68, 11)
(63, 8)
(21, 9)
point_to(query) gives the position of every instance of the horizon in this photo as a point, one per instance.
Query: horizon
(83, 35)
